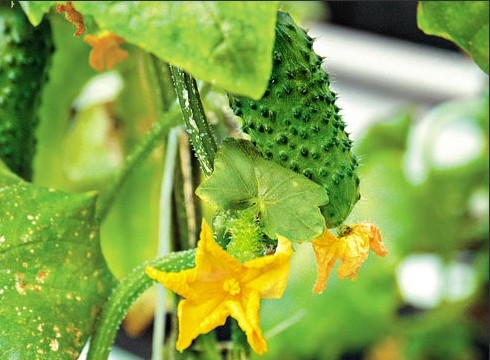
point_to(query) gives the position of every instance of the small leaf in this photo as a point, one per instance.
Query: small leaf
(288, 202)
(233, 181)
(463, 22)
(53, 278)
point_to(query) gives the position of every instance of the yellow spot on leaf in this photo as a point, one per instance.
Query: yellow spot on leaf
(19, 284)
(41, 276)
(54, 345)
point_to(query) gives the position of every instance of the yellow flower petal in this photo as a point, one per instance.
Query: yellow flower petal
(352, 249)
(171, 280)
(199, 317)
(246, 312)
(220, 286)
(274, 266)
(326, 249)
(106, 51)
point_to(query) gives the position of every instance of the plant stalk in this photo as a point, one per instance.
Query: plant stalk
(195, 121)
(123, 296)
(164, 239)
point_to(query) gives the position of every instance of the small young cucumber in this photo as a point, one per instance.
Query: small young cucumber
(297, 124)
(24, 55)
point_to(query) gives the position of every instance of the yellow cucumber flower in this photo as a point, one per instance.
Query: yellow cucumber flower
(220, 286)
(351, 248)
(106, 50)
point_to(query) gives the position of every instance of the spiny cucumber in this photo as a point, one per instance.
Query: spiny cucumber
(297, 124)
(24, 55)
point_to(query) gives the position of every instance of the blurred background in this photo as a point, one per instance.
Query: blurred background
(417, 110)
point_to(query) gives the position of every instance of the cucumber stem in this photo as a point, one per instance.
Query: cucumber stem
(195, 120)
(123, 296)
(164, 239)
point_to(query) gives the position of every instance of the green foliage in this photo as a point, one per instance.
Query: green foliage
(287, 202)
(227, 44)
(24, 55)
(345, 318)
(55, 111)
(53, 280)
(297, 124)
(445, 193)
(463, 22)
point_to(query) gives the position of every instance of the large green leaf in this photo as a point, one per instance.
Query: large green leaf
(53, 278)
(226, 43)
(288, 202)
(463, 22)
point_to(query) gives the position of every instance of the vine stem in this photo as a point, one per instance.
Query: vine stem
(195, 120)
(123, 296)
(164, 238)
(135, 158)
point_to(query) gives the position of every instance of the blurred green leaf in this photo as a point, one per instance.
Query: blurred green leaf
(35, 10)
(386, 135)
(92, 152)
(438, 327)
(305, 11)
(226, 43)
(347, 317)
(53, 277)
(388, 199)
(288, 202)
(67, 77)
(463, 22)
(130, 231)
(450, 186)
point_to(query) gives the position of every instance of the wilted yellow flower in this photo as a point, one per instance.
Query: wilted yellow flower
(351, 248)
(220, 286)
(73, 16)
(106, 51)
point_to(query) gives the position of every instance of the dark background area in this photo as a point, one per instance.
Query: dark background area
(396, 19)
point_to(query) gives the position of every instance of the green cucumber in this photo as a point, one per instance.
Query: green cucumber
(297, 124)
(24, 54)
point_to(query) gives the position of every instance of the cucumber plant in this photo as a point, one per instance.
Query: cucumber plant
(297, 124)
(25, 51)
(293, 175)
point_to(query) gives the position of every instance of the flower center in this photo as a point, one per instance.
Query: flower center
(232, 286)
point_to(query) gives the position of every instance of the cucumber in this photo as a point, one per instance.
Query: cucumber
(297, 124)
(24, 55)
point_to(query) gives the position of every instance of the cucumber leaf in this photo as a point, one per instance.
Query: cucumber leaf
(53, 278)
(463, 22)
(35, 10)
(288, 203)
(225, 43)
